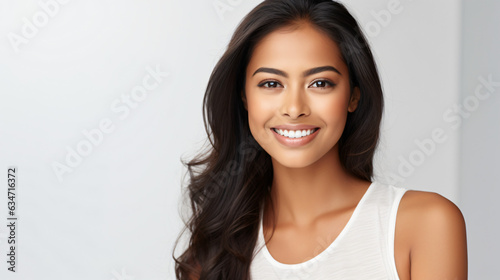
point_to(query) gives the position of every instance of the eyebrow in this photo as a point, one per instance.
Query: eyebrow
(305, 73)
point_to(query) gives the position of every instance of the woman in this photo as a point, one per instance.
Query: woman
(285, 192)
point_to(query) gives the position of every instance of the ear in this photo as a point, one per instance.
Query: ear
(353, 103)
(244, 99)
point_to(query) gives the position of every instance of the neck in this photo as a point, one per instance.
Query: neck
(301, 195)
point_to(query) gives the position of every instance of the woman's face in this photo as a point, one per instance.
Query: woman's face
(296, 80)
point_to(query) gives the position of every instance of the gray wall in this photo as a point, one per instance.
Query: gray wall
(480, 135)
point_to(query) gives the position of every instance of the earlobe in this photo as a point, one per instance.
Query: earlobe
(353, 103)
(244, 99)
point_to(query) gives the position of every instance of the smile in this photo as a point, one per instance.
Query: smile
(295, 133)
(295, 138)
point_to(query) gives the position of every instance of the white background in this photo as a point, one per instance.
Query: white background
(116, 214)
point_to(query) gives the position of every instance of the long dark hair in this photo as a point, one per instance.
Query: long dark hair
(230, 180)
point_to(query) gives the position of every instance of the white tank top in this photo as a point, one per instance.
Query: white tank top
(364, 249)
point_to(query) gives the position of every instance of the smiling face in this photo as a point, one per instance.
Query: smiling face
(296, 78)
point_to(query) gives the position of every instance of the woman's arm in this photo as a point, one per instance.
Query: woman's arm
(436, 235)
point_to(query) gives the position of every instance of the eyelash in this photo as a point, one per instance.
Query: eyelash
(328, 83)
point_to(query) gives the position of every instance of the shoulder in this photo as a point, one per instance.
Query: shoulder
(427, 216)
(430, 210)
(433, 229)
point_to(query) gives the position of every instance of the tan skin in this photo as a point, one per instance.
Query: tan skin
(313, 196)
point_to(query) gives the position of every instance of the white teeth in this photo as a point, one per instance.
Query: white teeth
(294, 133)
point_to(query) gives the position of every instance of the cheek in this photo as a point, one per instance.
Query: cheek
(333, 111)
(260, 105)
(260, 111)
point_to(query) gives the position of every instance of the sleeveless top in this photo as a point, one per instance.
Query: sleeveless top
(364, 249)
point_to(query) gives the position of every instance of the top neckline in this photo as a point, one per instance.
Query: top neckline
(330, 247)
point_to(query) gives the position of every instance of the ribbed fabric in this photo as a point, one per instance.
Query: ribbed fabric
(363, 250)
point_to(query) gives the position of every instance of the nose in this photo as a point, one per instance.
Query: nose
(295, 103)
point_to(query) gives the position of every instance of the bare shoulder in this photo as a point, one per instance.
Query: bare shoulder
(431, 212)
(433, 229)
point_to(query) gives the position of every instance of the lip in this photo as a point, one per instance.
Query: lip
(295, 142)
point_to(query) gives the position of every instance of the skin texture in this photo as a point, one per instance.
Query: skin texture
(314, 196)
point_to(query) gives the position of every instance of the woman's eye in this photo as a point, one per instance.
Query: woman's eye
(322, 84)
(269, 84)
(317, 84)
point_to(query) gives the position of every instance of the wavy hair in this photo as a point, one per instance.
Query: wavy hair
(230, 180)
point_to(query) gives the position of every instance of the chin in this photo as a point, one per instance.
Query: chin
(292, 162)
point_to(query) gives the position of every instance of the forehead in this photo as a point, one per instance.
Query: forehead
(299, 47)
